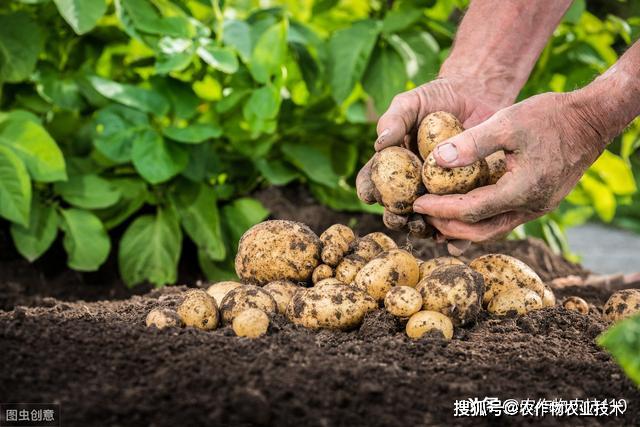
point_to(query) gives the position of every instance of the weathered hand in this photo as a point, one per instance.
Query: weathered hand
(549, 141)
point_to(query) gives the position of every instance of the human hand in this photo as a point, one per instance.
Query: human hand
(549, 141)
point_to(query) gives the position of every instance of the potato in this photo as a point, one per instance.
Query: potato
(277, 250)
(426, 321)
(244, 297)
(385, 242)
(282, 291)
(251, 323)
(163, 318)
(333, 306)
(336, 241)
(394, 221)
(395, 173)
(199, 309)
(519, 300)
(435, 128)
(497, 163)
(576, 304)
(403, 301)
(622, 304)
(366, 248)
(394, 268)
(348, 268)
(453, 290)
(427, 266)
(548, 297)
(321, 272)
(330, 281)
(220, 289)
(502, 272)
(439, 180)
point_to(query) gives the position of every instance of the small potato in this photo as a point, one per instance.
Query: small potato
(394, 221)
(548, 297)
(220, 289)
(321, 272)
(453, 290)
(251, 323)
(244, 297)
(385, 242)
(403, 301)
(163, 318)
(367, 249)
(282, 291)
(622, 304)
(439, 180)
(427, 267)
(395, 173)
(502, 272)
(497, 163)
(198, 309)
(576, 304)
(277, 250)
(426, 321)
(394, 268)
(519, 300)
(329, 281)
(435, 128)
(348, 268)
(336, 241)
(333, 306)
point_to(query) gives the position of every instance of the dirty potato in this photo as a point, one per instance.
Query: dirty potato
(395, 172)
(348, 268)
(576, 304)
(439, 180)
(514, 300)
(366, 248)
(385, 242)
(244, 297)
(220, 289)
(427, 267)
(332, 306)
(282, 291)
(497, 163)
(423, 322)
(330, 281)
(394, 268)
(198, 309)
(622, 304)
(163, 318)
(453, 290)
(435, 128)
(321, 272)
(251, 323)
(277, 250)
(548, 297)
(502, 272)
(403, 301)
(336, 241)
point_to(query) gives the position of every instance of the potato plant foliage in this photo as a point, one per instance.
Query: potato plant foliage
(154, 120)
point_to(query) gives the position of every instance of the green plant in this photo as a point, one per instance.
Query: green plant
(623, 342)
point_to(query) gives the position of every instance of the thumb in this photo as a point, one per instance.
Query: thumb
(468, 147)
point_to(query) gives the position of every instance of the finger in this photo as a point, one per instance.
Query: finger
(488, 229)
(394, 221)
(364, 185)
(457, 247)
(398, 120)
(478, 204)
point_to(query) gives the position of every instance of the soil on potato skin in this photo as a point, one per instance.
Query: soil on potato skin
(101, 363)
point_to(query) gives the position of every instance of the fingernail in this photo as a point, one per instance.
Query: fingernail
(448, 152)
(382, 135)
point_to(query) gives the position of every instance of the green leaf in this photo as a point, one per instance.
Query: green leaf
(194, 133)
(237, 35)
(314, 159)
(616, 173)
(15, 188)
(385, 77)
(132, 96)
(240, 215)
(264, 103)
(220, 58)
(575, 11)
(216, 271)
(342, 198)
(349, 52)
(141, 15)
(81, 15)
(133, 193)
(88, 191)
(183, 101)
(175, 54)
(150, 249)
(603, 200)
(33, 240)
(623, 342)
(422, 48)
(117, 127)
(276, 172)
(20, 43)
(269, 52)
(400, 19)
(85, 240)
(60, 90)
(155, 159)
(198, 211)
(39, 152)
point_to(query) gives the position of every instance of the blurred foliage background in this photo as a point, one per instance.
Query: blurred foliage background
(155, 120)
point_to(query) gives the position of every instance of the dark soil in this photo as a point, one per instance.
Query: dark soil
(100, 362)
